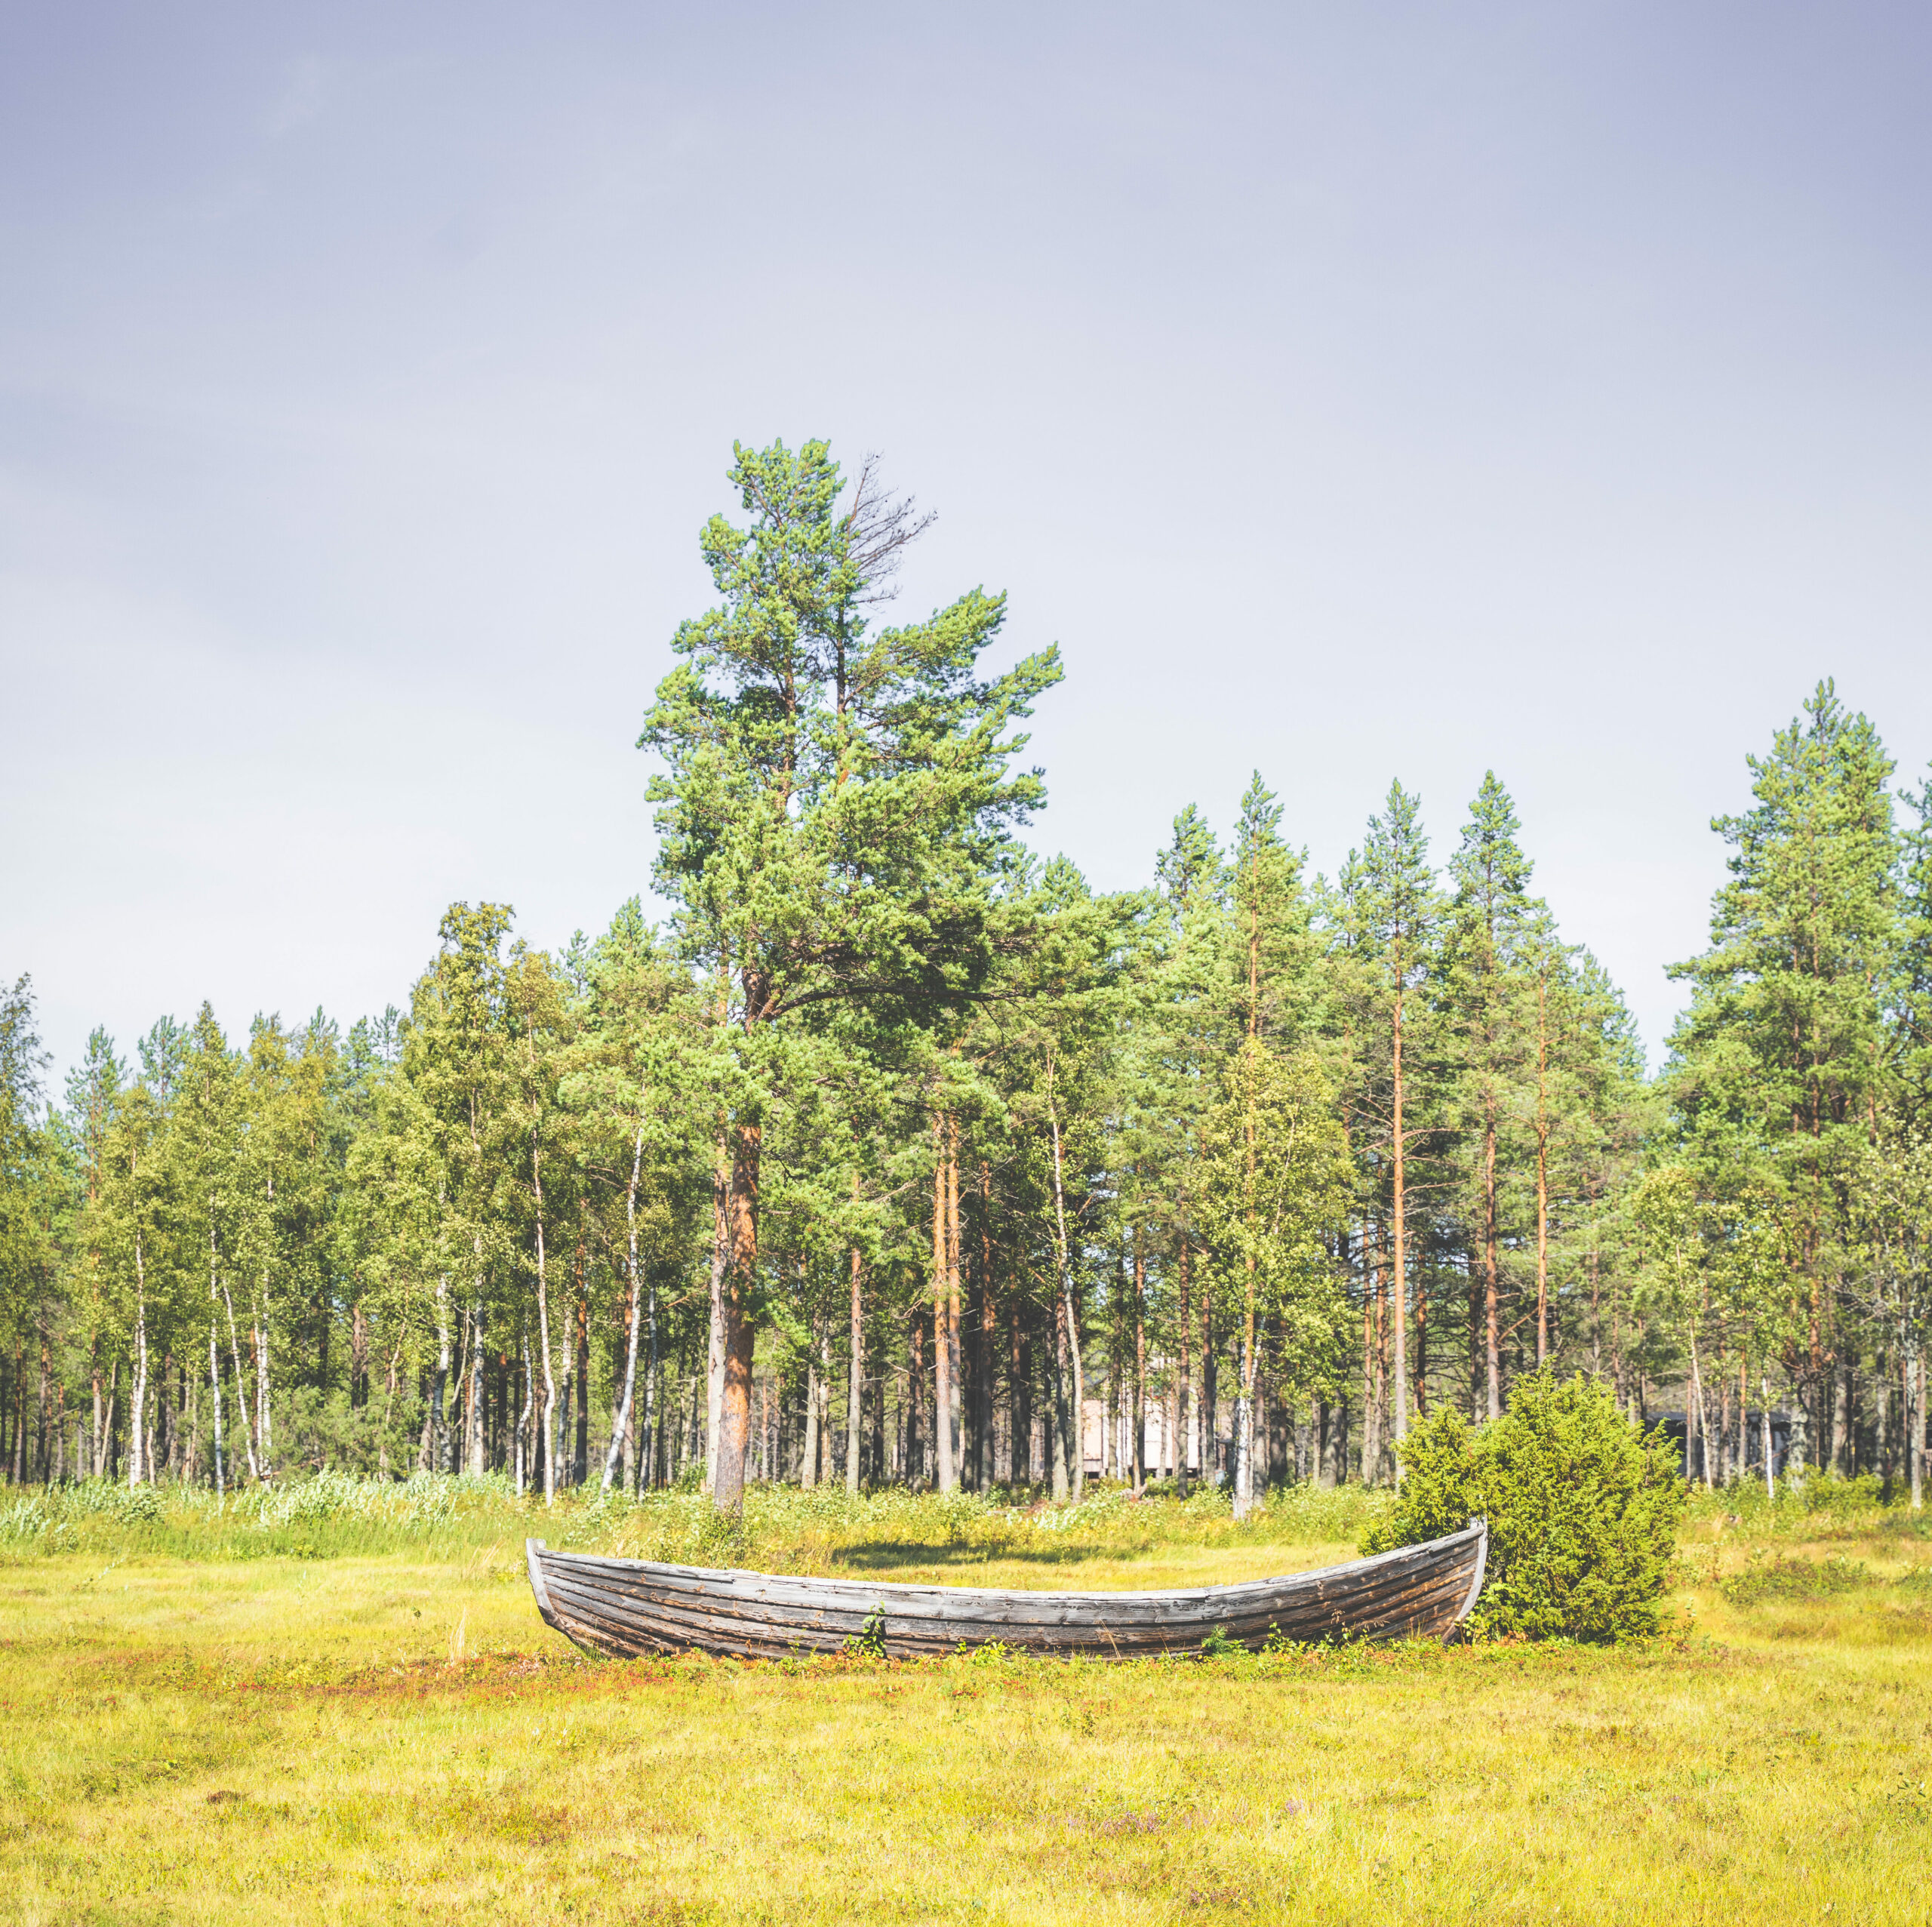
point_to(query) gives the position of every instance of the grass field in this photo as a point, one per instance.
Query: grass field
(207, 1719)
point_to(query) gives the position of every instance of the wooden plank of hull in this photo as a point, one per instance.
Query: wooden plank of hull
(1399, 1597)
(627, 1607)
(711, 1616)
(636, 1617)
(607, 1624)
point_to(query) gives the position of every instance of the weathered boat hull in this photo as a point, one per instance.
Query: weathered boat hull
(623, 1608)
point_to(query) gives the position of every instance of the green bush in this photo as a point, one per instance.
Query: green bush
(1582, 1506)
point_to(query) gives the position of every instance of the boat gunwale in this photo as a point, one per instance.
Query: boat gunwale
(736, 1577)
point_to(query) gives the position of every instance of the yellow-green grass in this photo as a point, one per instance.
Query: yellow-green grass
(396, 1736)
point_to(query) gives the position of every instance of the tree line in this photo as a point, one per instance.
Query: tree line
(896, 1152)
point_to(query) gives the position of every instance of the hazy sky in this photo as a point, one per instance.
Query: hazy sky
(1353, 392)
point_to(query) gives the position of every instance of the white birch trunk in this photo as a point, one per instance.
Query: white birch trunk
(620, 1423)
(439, 1410)
(240, 1381)
(137, 1457)
(543, 1333)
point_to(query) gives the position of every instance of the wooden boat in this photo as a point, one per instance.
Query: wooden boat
(622, 1608)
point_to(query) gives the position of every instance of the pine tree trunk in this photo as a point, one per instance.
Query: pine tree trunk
(855, 1380)
(1398, 1279)
(740, 1334)
(721, 1263)
(1139, 1419)
(1543, 1176)
(1070, 1461)
(1371, 1307)
(1183, 1378)
(944, 1347)
(1492, 1294)
(989, 1333)
(956, 1389)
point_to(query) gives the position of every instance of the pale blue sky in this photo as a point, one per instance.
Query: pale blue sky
(1353, 392)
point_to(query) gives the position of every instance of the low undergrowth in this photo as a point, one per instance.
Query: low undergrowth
(1821, 1506)
(782, 1529)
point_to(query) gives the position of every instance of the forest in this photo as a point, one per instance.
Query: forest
(897, 1153)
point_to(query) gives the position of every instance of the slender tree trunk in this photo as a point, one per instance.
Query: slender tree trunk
(1139, 1419)
(646, 1461)
(1184, 1380)
(1398, 1279)
(474, 1414)
(943, 1343)
(808, 1456)
(137, 1466)
(549, 1436)
(721, 1265)
(960, 1385)
(580, 1457)
(1020, 1399)
(439, 1418)
(915, 1400)
(1060, 1430)
(1701, 1466)
(1543, 1174)
(240, 1381)
(259, 1339)
(1367, 1368)
(1207, 1415)
(1075, 1394)
(1915, 1423)
(739, 1333)
(1244, 1497)
(214, 1379)
(1492, 1294)
(620, 1424)
(855, 1379)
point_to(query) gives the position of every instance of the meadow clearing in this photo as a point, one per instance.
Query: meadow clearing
(337, 1704)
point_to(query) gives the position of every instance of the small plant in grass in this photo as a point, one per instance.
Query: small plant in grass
(868, 1642)
(1583, 1508)
(1218, 1645)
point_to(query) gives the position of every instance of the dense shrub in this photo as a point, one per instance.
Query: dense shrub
(1582, 1506)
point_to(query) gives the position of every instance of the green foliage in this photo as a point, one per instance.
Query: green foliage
(868, 1642)
(1582, 1509)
